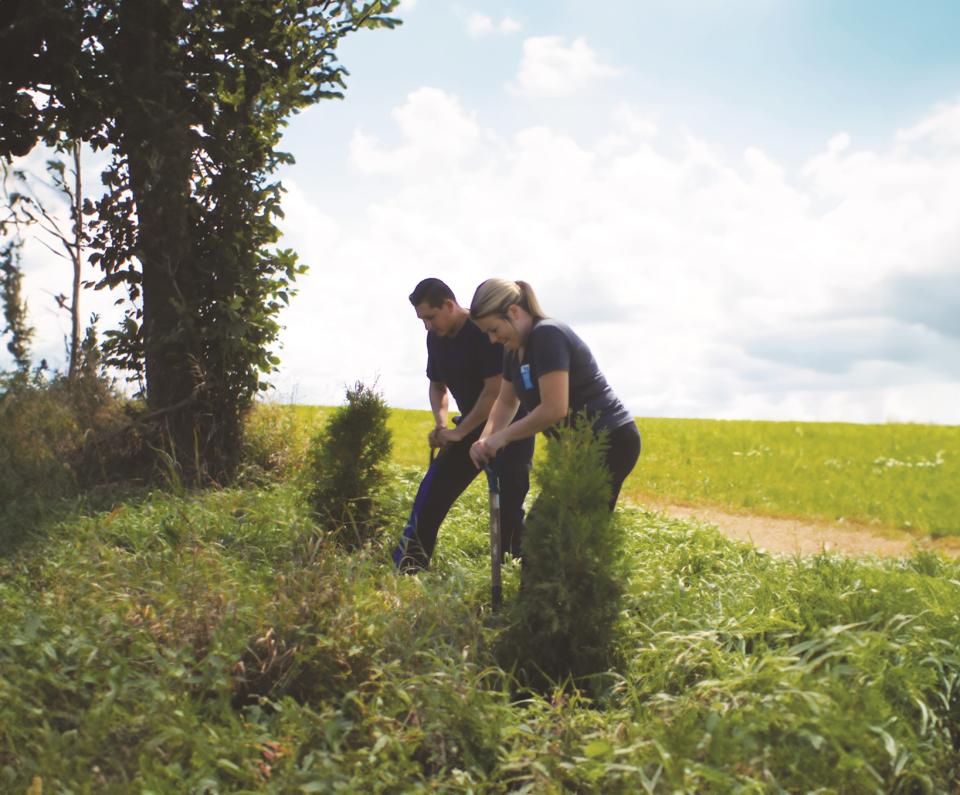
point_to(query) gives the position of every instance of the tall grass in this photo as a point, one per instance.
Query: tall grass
(219, 642)
(215, 642)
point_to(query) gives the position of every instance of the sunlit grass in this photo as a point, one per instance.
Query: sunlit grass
(901, 476)
(121, 637)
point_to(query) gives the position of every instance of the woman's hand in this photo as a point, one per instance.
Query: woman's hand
(485, 449)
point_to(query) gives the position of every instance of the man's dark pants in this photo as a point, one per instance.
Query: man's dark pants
(448, 477)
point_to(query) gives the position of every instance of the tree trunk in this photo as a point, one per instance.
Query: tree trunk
(157, 145)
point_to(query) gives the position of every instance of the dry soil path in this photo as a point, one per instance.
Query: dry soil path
(807, 536)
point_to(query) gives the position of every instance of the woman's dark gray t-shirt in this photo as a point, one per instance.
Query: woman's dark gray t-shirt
(553, 346)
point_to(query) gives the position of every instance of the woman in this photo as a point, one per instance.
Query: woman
(550, 372)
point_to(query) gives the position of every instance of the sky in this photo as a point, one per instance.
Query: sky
(747, 209)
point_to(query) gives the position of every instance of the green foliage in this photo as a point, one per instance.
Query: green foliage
(37, 432)
(275, 442)
(216, 641)
(211, 642)
(564, 621)
(60, 437)
(346, 466)
(190, 99)
(14, 305)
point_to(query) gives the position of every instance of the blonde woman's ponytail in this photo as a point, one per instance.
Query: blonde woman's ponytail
(494, 296)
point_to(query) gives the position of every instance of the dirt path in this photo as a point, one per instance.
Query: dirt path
(807, 536)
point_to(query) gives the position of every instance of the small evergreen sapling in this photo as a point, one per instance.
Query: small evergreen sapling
(565, 620)
(345, 466)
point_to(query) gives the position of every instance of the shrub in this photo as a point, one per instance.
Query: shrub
(346, 466)
(59, 437)
(275, 442)
(37, 431)
(563, 625)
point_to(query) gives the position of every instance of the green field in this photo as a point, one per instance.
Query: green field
(895, 476)
(216, 642)
(900, 476)
(123, 636)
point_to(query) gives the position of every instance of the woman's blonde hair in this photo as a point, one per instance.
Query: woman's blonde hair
(494, 296)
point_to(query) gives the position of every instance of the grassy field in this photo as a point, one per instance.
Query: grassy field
(213, 643)
(216, 642)
(897, 476)
(901, 476)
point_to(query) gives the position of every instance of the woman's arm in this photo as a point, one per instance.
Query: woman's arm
(554, 404)
(504, 409)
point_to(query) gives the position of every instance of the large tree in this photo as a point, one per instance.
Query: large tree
(190, 98)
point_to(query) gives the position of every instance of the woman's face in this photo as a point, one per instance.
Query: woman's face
(510, 331)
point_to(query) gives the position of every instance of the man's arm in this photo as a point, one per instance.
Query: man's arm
(480, 411)
(439, 403)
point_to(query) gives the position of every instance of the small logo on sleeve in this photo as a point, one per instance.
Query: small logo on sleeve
(525, 376)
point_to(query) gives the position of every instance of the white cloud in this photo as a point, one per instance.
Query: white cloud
(634, 121)
(941, 127)
(551, 68)
(707, 285)
(436, 132)
(479, 25)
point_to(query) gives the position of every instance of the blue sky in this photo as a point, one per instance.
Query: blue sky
(747, 209)
(791, 72)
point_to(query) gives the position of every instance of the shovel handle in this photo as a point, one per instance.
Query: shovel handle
(493, 482)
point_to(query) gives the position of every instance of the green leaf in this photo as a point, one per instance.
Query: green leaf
(597, 748)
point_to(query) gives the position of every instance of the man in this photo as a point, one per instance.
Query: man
(463, 361)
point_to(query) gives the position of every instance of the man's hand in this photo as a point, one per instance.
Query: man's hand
(449, 436)
(441, 437)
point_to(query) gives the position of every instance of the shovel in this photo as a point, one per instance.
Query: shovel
(493, 483)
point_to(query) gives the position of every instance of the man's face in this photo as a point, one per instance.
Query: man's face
(438, 319)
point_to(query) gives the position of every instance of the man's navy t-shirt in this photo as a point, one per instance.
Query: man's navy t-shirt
(463, 362)
(553, 346)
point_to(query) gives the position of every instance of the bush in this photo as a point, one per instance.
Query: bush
(275, 442)
(59, 438)
(346, 466)
(38, 430)
(563, 625)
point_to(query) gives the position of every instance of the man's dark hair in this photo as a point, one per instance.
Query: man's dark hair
(433, 292)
